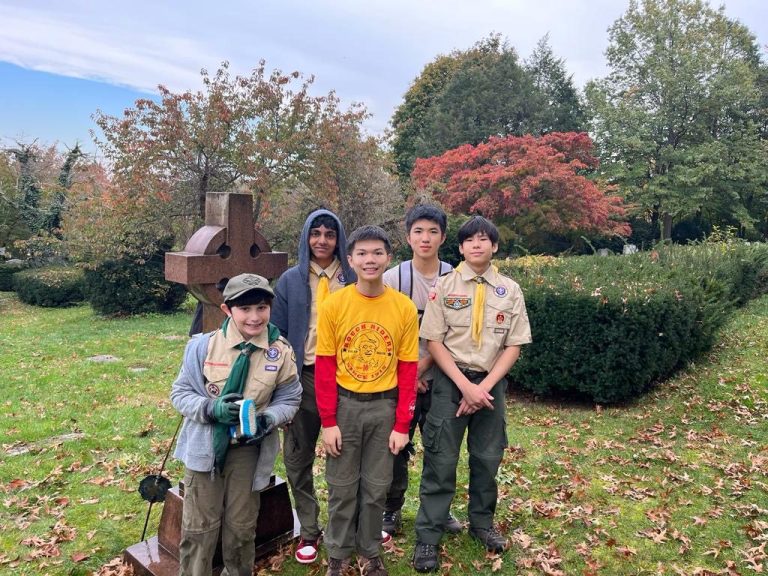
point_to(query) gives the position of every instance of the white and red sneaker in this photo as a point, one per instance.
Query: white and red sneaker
(386, 538)
(306, 551)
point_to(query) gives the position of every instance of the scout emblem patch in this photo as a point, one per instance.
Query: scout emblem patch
(499, 318)
(500, 291)
(272, 353)
(457, 302)
(341, 278)
(213, 389)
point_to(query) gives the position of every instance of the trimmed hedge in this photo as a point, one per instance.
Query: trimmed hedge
(6, 275)
(55, 287)
(607, 328)
(135, 283)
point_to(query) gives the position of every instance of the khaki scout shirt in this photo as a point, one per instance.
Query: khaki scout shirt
(335, 281)
(271, 365)
(448, 317)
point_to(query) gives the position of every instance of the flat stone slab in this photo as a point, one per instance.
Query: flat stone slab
(103, 358)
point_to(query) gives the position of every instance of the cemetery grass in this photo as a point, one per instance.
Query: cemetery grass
(674, 483)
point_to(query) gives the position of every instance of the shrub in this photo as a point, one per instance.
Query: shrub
(7, 270)
(134, 283)
(54, 287)
(608, 328)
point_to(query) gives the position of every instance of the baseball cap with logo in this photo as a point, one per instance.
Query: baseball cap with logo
(243, 283)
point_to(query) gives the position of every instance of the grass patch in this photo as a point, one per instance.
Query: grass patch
(674, 483)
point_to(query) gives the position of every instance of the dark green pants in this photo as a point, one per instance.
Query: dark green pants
(300, 441)
(442, 437)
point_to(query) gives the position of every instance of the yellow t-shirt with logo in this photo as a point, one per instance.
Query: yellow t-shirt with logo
(368, 336)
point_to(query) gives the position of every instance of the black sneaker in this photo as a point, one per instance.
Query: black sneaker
(391, 522)
(491, 538)
(425, 557)
(453, 526)
(337, 566)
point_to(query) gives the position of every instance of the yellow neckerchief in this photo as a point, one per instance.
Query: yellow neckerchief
(323, 285)
(478, 302)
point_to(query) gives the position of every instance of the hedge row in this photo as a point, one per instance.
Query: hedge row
(6, 275)
(607, 328)
(51, 287)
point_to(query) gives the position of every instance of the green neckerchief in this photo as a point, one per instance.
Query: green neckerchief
(235, 383)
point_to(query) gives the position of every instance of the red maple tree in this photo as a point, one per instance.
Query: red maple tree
(542, 181)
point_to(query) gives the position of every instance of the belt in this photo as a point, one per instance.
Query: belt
(473, 374)
(368, 396)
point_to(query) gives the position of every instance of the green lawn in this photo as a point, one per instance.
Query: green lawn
(676, 483)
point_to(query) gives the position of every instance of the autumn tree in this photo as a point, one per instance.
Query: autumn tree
(470, 95)
(257, 133)
(532, 185)
(678, 118)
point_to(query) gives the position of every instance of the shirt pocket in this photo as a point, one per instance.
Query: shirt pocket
(215, 379)
(458, 317)
(498, 317)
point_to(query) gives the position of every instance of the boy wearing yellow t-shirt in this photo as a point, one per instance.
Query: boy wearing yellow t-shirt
(365, 383)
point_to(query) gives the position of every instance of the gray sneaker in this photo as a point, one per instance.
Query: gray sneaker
(337, 566)
(491, 538)
(371, 566)
(453, 526)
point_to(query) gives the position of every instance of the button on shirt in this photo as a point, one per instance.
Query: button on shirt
(448, 317)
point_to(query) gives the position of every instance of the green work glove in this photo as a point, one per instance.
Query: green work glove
(225, 410)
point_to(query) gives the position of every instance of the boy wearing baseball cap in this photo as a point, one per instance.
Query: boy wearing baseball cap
(235, 386)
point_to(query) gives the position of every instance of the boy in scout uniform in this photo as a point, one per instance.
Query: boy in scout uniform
(475, 322)
(322, 269)
(235, 386)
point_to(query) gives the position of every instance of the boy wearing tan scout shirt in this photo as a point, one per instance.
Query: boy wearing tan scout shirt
(475, 322)
(235, 387)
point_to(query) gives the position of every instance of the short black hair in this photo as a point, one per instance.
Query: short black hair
(478, 224)
(250, 298)
(426, 212)
(324, 220)
(368, 232)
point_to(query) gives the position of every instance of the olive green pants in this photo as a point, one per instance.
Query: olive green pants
(442, 437)
(222, 501)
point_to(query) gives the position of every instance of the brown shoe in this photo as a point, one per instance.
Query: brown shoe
(372, 566)
(337, 566)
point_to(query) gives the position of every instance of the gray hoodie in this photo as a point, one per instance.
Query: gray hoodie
(293, 298)
(189, 397)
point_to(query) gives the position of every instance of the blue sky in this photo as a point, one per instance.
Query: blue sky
(61, 61)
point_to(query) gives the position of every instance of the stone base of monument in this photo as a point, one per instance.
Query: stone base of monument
(159, 556)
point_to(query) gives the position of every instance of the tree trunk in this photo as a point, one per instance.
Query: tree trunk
(666, 227)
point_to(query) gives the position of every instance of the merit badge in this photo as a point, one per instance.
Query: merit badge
(500, 291)
(457, 302)
(272, 353)
(270, 368)
(213, 389)
(499, 318)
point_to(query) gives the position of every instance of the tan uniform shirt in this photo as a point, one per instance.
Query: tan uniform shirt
(448, 317)
(335, 277)
(271, 365)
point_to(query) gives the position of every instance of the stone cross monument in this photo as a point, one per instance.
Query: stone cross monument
(227, 245)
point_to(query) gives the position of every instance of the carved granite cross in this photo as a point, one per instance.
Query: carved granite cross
(227, 245)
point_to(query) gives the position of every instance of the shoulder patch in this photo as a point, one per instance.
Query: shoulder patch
(272, 353)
